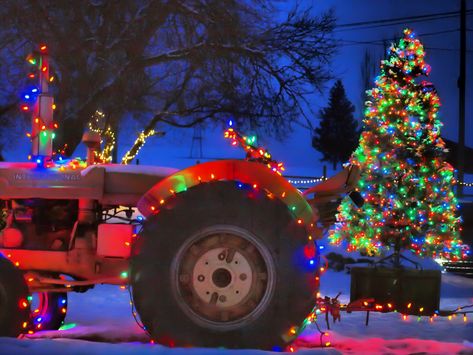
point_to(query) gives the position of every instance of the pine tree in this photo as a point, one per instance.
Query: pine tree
(337, 136)
(405, 181)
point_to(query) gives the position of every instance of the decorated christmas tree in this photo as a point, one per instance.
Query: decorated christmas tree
(405, 181)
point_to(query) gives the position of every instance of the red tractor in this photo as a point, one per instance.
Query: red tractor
(222, 253)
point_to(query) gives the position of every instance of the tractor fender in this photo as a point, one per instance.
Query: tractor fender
(252, 173)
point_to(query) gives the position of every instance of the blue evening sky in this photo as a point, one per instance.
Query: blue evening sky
(296, 151)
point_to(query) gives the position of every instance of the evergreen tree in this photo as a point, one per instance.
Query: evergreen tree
(405, 181)
(337, 136)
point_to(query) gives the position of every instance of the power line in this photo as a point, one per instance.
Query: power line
(370, 22)
(437, 33)
(349, 43)
(392, 24)
(418, 35)
(396, 21)
(380, 42)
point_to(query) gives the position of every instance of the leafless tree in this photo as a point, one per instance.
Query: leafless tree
(172, 62)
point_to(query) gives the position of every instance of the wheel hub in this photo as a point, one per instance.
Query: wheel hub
(224, 277)
(221, 277)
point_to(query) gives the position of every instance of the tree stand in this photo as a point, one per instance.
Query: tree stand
(408, 291)
(396, 257)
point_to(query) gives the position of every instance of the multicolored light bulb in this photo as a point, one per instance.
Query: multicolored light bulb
(253, 152)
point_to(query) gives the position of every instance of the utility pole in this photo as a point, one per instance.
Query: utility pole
(461, 101)
(196, 146)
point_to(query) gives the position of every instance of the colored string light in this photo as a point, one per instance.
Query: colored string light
(254, 153)
(331, 306)
(314, 180)
(43, 128)
(467, 184)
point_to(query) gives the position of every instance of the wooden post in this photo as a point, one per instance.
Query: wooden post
(42, 130)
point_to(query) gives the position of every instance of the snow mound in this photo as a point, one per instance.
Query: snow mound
(100, 322)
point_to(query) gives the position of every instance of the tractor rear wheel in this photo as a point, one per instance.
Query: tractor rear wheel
(222, 266)
(14, 306)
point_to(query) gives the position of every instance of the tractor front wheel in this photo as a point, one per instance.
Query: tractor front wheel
(48, 310)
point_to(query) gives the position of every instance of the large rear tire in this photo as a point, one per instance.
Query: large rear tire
(221, 265)
(14, 306)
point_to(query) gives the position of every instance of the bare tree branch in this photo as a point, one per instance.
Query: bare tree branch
(176, 63)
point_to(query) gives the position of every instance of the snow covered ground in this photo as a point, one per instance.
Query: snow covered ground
(100, 322)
